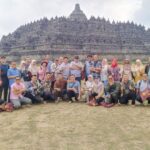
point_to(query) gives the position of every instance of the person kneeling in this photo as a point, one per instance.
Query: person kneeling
(73, 88)
(34, 90)
(127, 91)
(59, 87)
(47, 88)
(112, 91)
(16, 94)
(143, 90)
(97, 93)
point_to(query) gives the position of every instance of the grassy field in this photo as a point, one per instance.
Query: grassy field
(76, 126)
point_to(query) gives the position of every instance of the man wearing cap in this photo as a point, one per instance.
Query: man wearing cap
(16, 93)
(4, 79)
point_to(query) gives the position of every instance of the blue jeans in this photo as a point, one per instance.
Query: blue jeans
(23, 100)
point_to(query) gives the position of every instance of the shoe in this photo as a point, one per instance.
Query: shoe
(57, 100)
(70, 102)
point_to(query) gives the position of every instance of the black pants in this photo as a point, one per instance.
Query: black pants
(126, 97)
(35, 99)
(59, 93)
(5, 89)
(114, 98)
(139, 99)
(98, 100)
(72, 94)
(47, 97)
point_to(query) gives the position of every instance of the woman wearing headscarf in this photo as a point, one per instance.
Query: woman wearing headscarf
(89, 84)
(33, 68)
(126, 70)
(138, 70)
(114, 70)
(97, 95)
(22, 66)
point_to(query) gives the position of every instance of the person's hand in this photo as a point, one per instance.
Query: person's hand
(96, 97)
(74, 90)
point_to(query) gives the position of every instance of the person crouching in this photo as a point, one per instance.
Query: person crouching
(59, 87)
(73, 88)
(34, 90)
(16, 94)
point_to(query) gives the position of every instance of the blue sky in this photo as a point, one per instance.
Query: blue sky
(14, 13)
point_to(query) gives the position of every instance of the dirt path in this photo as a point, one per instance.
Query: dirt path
(66, 126)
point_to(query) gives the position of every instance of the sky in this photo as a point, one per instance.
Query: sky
(14, 13)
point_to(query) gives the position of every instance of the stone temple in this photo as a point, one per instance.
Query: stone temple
(77, 34)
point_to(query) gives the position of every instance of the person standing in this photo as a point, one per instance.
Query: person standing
(42, 71)
(76, 68)
(47, 59)
(4, 79)
(88, 65)
(114, 70)
(33, 68)
(147, 69)
(65, 68)
(104, 71)
(12, 73)
(138, 71)
(96, 67)
(126, 70)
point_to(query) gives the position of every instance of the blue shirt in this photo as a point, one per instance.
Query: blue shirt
(76, 73)
(96, 64)
(13, 72)
(88, 65)
(4, 68)
(49, 69)
(75, 85)
(3, 71)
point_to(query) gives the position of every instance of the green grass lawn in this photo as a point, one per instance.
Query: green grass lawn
(76, 126)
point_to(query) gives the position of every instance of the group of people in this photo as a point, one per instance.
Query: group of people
(93, 81)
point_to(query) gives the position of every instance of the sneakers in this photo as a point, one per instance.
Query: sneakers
(57, 100)
(70, 102)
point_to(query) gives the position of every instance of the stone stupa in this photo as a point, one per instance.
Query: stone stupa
(78, 14)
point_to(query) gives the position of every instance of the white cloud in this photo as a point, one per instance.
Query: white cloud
(14, 13)
(143, 14)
